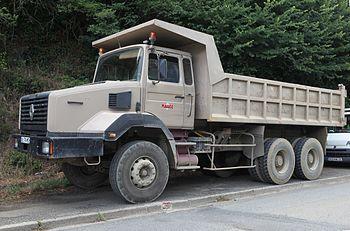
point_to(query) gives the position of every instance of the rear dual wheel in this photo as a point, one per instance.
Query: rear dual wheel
(309, 158)
(276, 166)
(256, 172)
(304, 159)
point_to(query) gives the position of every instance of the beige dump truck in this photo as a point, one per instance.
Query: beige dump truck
(160, 101)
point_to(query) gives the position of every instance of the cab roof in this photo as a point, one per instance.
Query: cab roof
(200, 45)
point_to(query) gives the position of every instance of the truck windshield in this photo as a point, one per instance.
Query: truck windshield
(123, 66)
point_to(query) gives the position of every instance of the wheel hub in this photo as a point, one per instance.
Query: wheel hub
(279, 161)
(310, 158)
(313, 159)
(142, 172)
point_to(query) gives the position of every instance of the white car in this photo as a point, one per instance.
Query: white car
(338, 143)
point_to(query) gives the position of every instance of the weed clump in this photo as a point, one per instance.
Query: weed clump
(24, 162)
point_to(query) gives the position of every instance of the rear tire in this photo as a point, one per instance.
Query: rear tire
(309, 159)
(277, 164)
(139, 172)
(255, 172)
(84, 177)
(295, 142)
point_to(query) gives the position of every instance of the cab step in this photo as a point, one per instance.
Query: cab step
(187, 167)
(185, 143)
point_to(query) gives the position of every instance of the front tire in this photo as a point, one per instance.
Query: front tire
(85, 177)
(139, 172)
(309, 159)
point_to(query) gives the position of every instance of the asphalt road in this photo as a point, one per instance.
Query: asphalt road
(326, 207)
(182, 187)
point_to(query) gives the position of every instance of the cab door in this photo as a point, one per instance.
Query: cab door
(164, 89)
(189, 90)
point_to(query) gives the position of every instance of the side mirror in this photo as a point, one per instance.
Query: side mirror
(161, 69)
(158, 73)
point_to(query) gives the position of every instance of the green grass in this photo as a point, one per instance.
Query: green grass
(13, 189)
(48, 184)
(16, 191)
(100, 217)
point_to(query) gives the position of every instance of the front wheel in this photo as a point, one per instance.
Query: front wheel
(139, 172)
(85, 177)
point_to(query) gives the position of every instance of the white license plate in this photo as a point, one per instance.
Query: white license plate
(339, 159)
(25, 140)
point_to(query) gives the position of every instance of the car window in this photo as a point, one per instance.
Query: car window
(168, 68)
(153, 67)
(187, 71)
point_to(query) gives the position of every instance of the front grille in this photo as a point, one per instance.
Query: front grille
(34, 110)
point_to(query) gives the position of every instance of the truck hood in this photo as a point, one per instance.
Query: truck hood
(69, 109)
(338, 139)
(91, 87)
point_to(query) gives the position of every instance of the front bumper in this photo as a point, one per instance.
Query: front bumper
(338, 155)
(61, 147)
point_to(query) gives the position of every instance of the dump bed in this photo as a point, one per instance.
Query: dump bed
(244, 99)
(222, 97)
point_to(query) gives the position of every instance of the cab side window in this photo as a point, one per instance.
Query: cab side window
(153, 67)
(187, 71)
(168, 68)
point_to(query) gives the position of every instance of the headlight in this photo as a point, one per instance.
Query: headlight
(45, 147)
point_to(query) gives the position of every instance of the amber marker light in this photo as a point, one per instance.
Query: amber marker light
(152, 37)
(51, 148)
(101, 51)
(112, 135)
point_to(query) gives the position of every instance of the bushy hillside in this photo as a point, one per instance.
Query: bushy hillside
(47, 44)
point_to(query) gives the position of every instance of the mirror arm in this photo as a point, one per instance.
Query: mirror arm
(158, 75)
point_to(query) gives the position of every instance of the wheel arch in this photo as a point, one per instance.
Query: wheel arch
(147, 127)
(292, 132)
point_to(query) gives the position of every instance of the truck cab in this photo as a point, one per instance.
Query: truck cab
(165, 77)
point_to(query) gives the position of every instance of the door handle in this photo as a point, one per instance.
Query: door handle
(179, 97)
(190, 113)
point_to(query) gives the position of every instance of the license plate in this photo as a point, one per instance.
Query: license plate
(25, 140)
(339, 159)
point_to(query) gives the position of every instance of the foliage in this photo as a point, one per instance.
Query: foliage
(297, 41)
(3, 62)
(24, 162)
(100, 217)
(17, 191)
(7, 24)
(47, 44)
(5, 128)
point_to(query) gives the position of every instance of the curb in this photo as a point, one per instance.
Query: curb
(167, 206)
